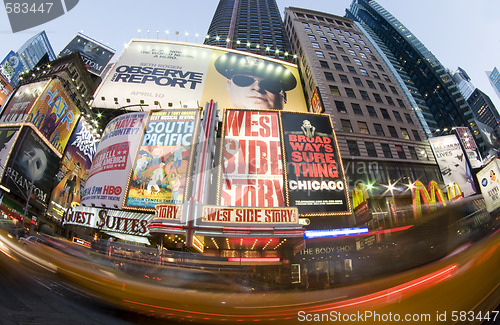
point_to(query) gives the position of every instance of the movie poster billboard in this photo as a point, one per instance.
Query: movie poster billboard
(453, 163)
(95, 56)
(163, 162)
(20, 105)
(315, 180)
(172, 74)
(7, 139)
(74, 170)
(252, 165)
(55, 115)
(470, 146)
(5, 90)
(32, 161)
(113, 160)
(11, 67)
(489, 182)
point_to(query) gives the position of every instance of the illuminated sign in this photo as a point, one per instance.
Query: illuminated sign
(250, 216)
(254, 259)
(81, 242)
(335, 232)
(168, 212)
(430, 198)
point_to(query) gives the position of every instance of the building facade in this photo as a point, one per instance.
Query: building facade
(249, 25)
(494, 77)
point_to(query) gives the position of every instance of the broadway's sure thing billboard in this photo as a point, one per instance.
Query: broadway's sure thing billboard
(112, 163)
(276, 159)
(163, 161)
(453, 163)
(95, 56)
(173, 74)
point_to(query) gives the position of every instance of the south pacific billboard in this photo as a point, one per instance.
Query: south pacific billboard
(163, 162)
(278, 159)
(160, 74)
(453, 163)
(74, 170)
(113, 160)
(21, 103)
(95, 56)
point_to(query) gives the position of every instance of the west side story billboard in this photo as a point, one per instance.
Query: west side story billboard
(277, 159)
(174, 74)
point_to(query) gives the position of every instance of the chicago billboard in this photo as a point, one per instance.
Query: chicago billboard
(174, 74)
(277, 159)
(95, 56)
(163, 162)
(113, 160)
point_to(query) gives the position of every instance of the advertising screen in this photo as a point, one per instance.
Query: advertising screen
(5, 90)
(277, 159)
(95, 56)
(20, 105)
(55, 115)
(470, 146)
(113, 160)
(31, 162)
(452, 163)
(163, 161)
(11, 67)
(489, 181)
(177, 75)
(7, 138)
(314, 174)
(74, 169)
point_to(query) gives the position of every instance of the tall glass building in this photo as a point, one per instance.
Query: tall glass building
(249, 25)
(439, 102)
(494, 77)
(34, 49)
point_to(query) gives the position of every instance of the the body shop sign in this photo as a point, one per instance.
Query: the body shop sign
(109, 220)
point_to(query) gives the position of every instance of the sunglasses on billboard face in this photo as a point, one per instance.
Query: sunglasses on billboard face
(246, 81)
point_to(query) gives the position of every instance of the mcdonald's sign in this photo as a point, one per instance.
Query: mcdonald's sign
(360, 204)
(432, 199)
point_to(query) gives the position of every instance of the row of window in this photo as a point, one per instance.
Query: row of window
(386, 150)
(323, 19)
(349, 92)
(379, 130)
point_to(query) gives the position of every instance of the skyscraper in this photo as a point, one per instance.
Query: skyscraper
(494, 77)
(34, 49)
(249, 25)
(431, 86)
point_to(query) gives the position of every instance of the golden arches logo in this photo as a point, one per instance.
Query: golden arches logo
(429, 198)
(454, 192)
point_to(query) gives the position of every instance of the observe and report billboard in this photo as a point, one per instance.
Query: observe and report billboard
(279, 159)
(171, 74)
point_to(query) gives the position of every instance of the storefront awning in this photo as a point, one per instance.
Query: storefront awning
(131, 238)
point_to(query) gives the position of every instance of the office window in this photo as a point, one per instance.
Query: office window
(389, 100)
(342, 37)
(357, 81)
(405, 134)
(352, 52)
(363, 128)
(368, 50)
(370, 149)
(329, 76)
(380, 67)
(327, 28)
(378, 129)
(401, 103)
(308, 30)
(382, 87)
(392, 131)
(319, 54)
(312, 37)
(352, 39)
(344, 79)
(361, 54)
(371, 111)
(370, 83)
(413, 153)
(353, 148)
(346, 44)
(377, 97)
(375, 75)
(397, 116)
(324, 64)
(351, 69)
(334, 41)
(316, 26)
(324, 39)
(328, 47)
(356, 108)
(338, 66)
(369, 64)
(364, 95)
(386, 150)
(386, 77)
(408, 118)
(315, 45)
(340, 49)
(346, 59)
(320, 32)
(333, 56)
(358, 61)
(340, 106)
(364, 73)
(357, 47)
(350, 92)
(305, 24)
(400, 151)
(330, 34)
(346, 125)
(393, 89)
(362, 42)
(416, 136)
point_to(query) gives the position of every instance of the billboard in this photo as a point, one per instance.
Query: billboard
(470, 146)
(32, 161)
(74, 170)
(113, 160)
(20, 105)
(11, 67)
(175, 74)
(452, 163)
(55, 115)
(95, 56)
(163, 161)
(277, 159)
(489, 181)
(7, 139)
(5, 90)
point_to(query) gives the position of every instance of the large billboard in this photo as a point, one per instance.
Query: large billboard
(113, 160)
(453, 163)
(5, 90)
(31, 162)
(7, 139)
(22, 102)
(163, 162)
(469, 144)
(74, 170)
(277, 159)
(11, 67)
(489, 182)
(177, 75)
(95, 56)
(55, 115)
